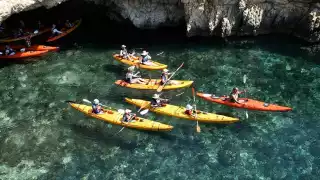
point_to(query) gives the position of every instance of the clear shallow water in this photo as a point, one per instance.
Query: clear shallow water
(42, 138)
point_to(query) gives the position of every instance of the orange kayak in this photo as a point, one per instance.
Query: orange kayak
(9, 39)
(245, 103)
(26, 54)
(33, 47)
(65, 32)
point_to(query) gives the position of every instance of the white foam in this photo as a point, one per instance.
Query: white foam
(67, 159)
(24, 170)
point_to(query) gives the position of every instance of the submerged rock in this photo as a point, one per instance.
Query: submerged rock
(202, 17)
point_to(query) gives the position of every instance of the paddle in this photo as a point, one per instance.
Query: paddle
(162, 86)
(195, 108)
(244, 82)
(143, 106)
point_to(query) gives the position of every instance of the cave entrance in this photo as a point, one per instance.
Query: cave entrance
(100, 24)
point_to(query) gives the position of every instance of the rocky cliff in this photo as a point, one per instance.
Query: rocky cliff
(206, 17)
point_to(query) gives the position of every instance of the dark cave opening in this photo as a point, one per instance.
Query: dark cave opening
(97, 24)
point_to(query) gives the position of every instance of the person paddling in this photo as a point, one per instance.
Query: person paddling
(55, 31)
(189, 110)
(96, 107)
(133, 78)
(146, 59)
(234, 95)
(156, 101)
(123, 52)
(128, 116)
(28, 41)
(68, 24)
(165, 76)
(9, 51)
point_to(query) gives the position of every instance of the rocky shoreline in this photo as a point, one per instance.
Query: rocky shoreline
(223, 18)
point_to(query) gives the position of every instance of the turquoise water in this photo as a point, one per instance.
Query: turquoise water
(42, 138)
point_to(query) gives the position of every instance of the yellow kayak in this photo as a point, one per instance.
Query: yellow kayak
(179, 112)
(115, 117)
(136, 62)
(154, 84)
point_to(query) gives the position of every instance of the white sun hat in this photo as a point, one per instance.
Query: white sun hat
(131, 68)
(189, 107)
(144, 53)
(156, 96)
(96, 101)
(165, 70)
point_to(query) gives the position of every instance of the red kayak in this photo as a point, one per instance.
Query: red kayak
(26, 54)
(33, 48)
(245, 103)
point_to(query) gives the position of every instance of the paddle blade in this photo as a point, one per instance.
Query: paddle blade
(87, 101)
(160, 88)
(121, 111)
(144, 112)
(244, 78)
(247, 115)
(70, 101)
(198, 128)
(193, 91)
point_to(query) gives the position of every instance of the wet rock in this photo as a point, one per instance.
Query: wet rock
(202, 17)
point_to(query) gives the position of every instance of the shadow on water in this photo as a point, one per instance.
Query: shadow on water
(117, 69)
(98, 134)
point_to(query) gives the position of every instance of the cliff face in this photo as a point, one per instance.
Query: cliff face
(207, 17)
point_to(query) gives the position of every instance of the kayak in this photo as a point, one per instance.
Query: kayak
(24, 54)
(115, 117)
(33, 47)
(245, 103)
(179, 112)
(7, 40)
(154, 84)
(136, 62)
(65, 32)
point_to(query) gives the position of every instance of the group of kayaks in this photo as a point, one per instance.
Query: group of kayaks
(22, 51)
(115, 117)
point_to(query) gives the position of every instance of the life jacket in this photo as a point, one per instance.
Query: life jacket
(9, 51)
(28, 41)
(188, 112)
(144, 59)
(125, 117)
(95, 109)
(154, 101)
(164, 78)
(129, 77)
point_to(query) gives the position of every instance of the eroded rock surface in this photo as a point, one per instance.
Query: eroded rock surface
(207, 17)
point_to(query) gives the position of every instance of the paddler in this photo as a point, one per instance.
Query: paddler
(156, 101)
(20, 32)
(133, 78)
(123, 52)
(96, 107)
(9, 51)
(128, 116)
(189, 110)
(28, 41)
(146, 59)
(165, 76)
(234, 95)
(68, 24)
(55, 31)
